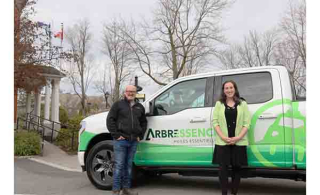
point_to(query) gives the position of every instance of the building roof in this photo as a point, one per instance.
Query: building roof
(51, 71)
(30, 77)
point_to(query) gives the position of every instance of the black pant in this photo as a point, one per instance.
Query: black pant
(223, 177)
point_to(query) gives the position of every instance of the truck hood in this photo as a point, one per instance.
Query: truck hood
(96, 123)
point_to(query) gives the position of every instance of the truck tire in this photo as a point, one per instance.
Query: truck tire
(99, 165)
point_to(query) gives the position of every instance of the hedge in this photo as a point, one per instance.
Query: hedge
(64, 138)
(26, 143)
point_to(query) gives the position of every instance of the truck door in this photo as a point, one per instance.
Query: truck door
(179, 131)
(262, 92)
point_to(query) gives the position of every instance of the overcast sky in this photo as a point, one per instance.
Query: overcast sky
(243, 16)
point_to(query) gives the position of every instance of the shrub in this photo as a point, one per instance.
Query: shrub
(63, 115)
(26, 143)
(74, 122)
(64, 140)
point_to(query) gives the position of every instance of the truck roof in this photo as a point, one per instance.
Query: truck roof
(239, 70)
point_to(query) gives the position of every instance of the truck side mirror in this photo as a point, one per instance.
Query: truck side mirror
(149, 108)
(160, 107)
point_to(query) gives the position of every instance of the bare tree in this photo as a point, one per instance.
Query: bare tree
(290, 58)
(181, 37)
(230, 57)
(293, 25)
(291, 52)
(284, 46)
(80, 69)
(256, 50)
(119, 53)
(102, 85)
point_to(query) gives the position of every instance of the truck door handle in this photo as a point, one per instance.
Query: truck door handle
(268, 116)
(197, 120)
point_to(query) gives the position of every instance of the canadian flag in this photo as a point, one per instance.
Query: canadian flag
(59, 35)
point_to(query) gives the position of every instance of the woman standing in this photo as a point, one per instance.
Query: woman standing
(231, 121)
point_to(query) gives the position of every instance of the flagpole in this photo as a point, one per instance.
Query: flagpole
(61, 48)
(61, 34)
(50, 40)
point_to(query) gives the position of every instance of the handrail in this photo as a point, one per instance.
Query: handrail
(29, 114)
(61, 124)
(28, 120)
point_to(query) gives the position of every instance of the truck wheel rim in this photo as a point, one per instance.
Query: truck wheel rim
(102, 166)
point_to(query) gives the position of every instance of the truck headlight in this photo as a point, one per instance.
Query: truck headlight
(83, 127)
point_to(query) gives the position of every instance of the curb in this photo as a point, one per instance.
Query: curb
(55, 165)
(24, 157)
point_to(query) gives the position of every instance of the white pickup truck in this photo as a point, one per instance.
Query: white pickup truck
(180, 137)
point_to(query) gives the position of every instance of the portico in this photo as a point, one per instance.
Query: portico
(50, 78)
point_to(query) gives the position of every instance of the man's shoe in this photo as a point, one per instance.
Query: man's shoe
(115, 192)
(129, 191)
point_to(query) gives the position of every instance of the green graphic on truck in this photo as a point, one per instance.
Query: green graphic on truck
(278, 139)
(278, 133)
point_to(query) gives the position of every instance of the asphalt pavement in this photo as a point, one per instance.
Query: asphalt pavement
(59, 173)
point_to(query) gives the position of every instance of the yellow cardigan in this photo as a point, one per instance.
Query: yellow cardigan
(243, 120)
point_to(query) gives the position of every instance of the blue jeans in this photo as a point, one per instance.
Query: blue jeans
(124, 151)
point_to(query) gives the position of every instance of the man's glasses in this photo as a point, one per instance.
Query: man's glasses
(131, 92)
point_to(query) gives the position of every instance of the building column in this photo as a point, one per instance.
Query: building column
(37, 103)
(55, 100)
(28, 103)
(47, 102)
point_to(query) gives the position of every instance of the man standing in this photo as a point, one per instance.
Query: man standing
(127, 124)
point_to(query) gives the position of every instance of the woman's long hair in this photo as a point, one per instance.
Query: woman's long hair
(236, 97)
